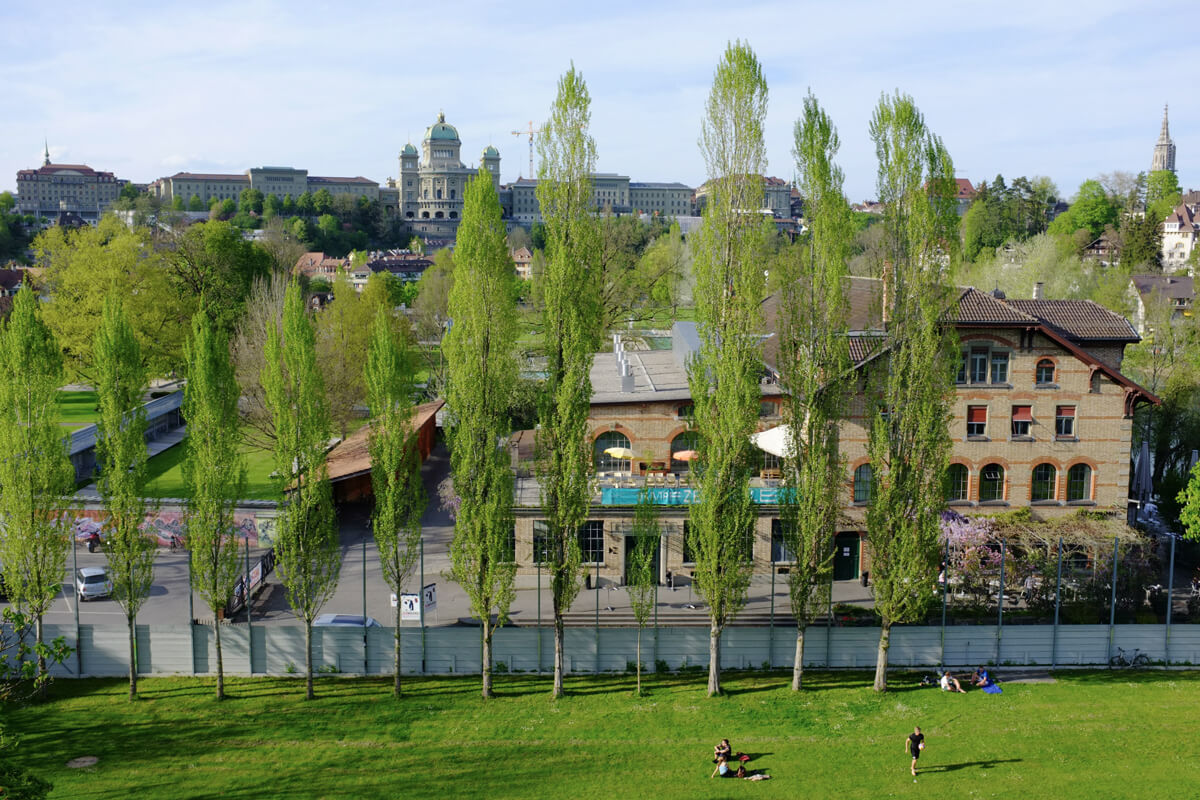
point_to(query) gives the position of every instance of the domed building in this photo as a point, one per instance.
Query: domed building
(432, 181)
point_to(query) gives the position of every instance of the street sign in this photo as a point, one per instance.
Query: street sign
(429, 596)
(410, 607)
(395, 600)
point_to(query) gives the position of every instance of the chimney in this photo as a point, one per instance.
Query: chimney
(1037, 291)
(626, 376)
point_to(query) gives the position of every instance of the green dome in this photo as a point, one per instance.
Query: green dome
(441, 129)
(408, 150)
(491, 152)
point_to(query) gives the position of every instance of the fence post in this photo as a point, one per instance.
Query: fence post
(1170, 602)
(945, 588)
(1057, 605)
(78, 645)
(1000, 600)
(246, 598)
(771, 627)
(421, 604)
(829, 622)
(538, 558)
(597, 669)
(366, 659)
(1112, 603)
(192, 611)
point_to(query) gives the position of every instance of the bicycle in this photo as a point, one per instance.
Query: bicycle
(1129, 658)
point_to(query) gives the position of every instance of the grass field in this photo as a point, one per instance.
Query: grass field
(1088, 735)
(165, 474)
(76, 409)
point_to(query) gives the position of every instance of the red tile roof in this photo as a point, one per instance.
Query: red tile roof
(1079, 319)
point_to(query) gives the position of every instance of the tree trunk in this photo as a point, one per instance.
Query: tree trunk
(714, 661)
(132, 659)
(885, 634)
(486, 661)
(220, 663)
(308, 671)
(798, 664)
(639, 662)
(398, 657)
(41, 659)
(558, 654)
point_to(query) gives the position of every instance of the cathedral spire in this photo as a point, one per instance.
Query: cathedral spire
(46, 156)
(1164, 149)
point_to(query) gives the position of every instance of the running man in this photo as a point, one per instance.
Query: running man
(913, 745)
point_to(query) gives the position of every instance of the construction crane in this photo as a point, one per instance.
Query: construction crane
(530, 133)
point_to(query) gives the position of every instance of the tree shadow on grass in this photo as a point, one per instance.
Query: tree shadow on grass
(987, 764)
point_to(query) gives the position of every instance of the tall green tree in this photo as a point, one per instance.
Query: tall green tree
(1093, 211)
(813, 369)
(571, 329)
(91, 265)
(1163, 194)
(36, 476)
(343, 331)
(395, 460)
(481, 353)
(210, 265)
(724, 378)
(642, 581)
(909, 410)
(213, 470)
(307, 551)
(121, 454)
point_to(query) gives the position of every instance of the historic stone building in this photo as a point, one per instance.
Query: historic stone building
(1164, 149)
(279, 181)
(432, 182)
(1042, 419)
(73, 188)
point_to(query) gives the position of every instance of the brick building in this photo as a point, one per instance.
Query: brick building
(1042, 419)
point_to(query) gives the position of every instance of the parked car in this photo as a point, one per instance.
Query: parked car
(92, 583)
(344, 621)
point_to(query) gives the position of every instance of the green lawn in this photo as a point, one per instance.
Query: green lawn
(165, 474)
(1093, 735)
(76, 408)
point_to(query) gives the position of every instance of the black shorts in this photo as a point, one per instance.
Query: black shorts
(916, 753)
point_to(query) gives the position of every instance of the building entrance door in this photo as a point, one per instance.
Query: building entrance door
(845, 556)
(630, 542)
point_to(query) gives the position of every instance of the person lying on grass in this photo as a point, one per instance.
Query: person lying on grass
(756, 775)
(722, 769)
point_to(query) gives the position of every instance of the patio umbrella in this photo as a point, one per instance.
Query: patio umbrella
(623, 453)
(776, 441)
(685, 455)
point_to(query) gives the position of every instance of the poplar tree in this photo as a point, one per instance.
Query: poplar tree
(910, 404)
(213, 469)
(482, 367)
(724, 377)
(36, 476)
(642, 581)
(307, 550)
(813, 368)
(121, 454)
(395, 460)
(571, 330)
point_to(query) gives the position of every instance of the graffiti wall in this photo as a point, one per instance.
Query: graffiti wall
(168, 525)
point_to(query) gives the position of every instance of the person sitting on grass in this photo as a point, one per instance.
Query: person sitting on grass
(756, 775)
(981, 677)
(722, 750)
(950, 683)
(723, 769)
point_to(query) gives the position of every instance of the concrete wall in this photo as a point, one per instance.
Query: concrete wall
(279, 650)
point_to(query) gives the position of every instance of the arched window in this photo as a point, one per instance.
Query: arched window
(688, 440)
(604, 462)
(451, 194)
(862, 484)
(1045, 372)
(1043, 486)
(956, 483)
(453, 215)
(991, 483)
(1079, 482)
(438, 194)
(438, 215)
(424, 215)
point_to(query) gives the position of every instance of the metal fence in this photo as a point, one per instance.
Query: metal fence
(279, 650)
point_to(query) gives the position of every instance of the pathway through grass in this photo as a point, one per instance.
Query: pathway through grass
(1093, 735)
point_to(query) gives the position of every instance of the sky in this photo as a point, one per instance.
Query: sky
(147, 89)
